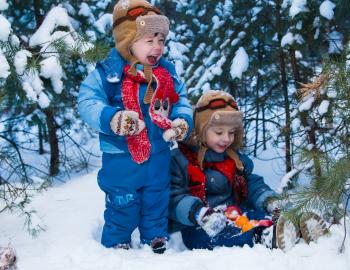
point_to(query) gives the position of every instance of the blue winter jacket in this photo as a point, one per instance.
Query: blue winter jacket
(97, 105)
(218, 191)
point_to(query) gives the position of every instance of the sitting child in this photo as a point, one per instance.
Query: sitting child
(216, 200)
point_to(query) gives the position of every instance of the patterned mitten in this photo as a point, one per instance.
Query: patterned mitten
(211, 222)
(177, 132)
(126, 123)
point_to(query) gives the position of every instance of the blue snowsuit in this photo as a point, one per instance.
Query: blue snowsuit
(183, 205)
(137, 195)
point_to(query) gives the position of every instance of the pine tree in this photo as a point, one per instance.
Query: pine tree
(43, 59)
(326, 104)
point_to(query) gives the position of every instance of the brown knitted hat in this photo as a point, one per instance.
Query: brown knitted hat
(216, 107)
(132, 19)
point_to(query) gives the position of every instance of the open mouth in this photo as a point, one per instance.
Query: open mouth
(152, 59)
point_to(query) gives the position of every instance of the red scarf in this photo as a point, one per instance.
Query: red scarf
(198, 178)
(139, 145)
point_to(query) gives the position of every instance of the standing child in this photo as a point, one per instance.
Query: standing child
(216, 200)
(137, 103)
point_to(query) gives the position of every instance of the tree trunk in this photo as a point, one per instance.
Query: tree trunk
(295, 69)
(50, 119)
(282, 63)
(53, 141)
(41, 139)
(264, 124)
(257, 114)
(39, 18)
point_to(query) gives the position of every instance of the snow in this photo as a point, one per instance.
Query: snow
(239, 64)
(104, 22)
(72, 215)
(4, 66)
(287, 39)
(217, 23)
(297, 7)
(85, 10)
(102, 4)
(3, 5)
(335, 42)
(5, 27)
(51, 69)
(57, 16)
(296, 123)
(323, 108)
(306, 105)
(21, 60)
(326, 9)
(33, 86)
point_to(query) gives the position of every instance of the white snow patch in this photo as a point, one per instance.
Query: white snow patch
(326, 9)
(297, 7)
(57, 16)
(51, 69)
(5, 27)
(239, 64)
(323, 108)
(73, 215)
(4, 66)
(335, 42)
(21, 60)
(104, 22)
(306, 105)
(3, 5)
(287, 39)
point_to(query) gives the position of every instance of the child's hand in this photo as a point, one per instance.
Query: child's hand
(126, 123)
(211, 222)
(177, 132)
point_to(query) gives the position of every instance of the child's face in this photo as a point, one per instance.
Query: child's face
(149, 48)
(219, 137)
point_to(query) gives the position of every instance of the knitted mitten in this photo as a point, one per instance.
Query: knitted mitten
(177, 132)
(211, 221)
(126, 123)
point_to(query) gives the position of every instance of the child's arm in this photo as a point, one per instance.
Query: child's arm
(258, 190)
(182, 108)
(93, 104)
(182, 206)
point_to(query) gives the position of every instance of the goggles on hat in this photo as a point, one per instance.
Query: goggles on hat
(218, 103)
(135, 12)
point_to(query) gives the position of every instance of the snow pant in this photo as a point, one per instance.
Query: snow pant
(197, 238)
(137, 195)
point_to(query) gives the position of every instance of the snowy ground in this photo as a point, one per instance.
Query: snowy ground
(72, 214)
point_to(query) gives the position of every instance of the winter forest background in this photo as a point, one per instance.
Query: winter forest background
(286, 61)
